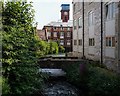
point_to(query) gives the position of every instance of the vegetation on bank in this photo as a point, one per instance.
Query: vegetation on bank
(94, 80)
(21, 50)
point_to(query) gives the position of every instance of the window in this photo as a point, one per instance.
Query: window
(107, 41)
(68, 28)
(61, 34)
(68, 34)
(110, 11)
(49, 34)
(61, 27)
(65, 19)
(90, 18)
(113, 41)
(55, 34)
(74, 24)
(110, 41)
(55, 28)
(75, 42)
(61, 42)
(80, 41)
(91, 42)
(80, 22)
(68, 42)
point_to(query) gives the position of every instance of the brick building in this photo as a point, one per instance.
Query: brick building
(96, 32)
(41, 34)
(61, 31)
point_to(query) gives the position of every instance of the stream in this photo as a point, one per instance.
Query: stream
(58, 88)
(58, 85)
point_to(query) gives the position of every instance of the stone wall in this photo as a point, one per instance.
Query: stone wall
(58, 63)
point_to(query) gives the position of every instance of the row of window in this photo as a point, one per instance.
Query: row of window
(110, 14)
(55, 34)
(91, 42)
(110, 42)
(79, 42)
(79, 23)
(62, 42)
(61, 28)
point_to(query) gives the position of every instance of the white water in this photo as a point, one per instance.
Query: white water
(53, 72)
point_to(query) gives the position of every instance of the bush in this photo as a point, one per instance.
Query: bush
(103, 82)
(73, 74)
(5, 86)
(19, 55)
(61, 49)
(95, 80)
(53, 47)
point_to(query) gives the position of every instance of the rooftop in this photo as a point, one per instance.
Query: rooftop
(65, 7)
(60, 23)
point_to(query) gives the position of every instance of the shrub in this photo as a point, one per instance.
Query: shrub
(53, 47)
(5, 86)
(19, 55)
(61, 49)
(103, 82)
(95, 80)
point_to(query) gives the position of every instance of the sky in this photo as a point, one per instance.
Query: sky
(49, 10)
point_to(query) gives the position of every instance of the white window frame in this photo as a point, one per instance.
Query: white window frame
(61, 42)
(75, 24)
(61, 34)
(90, 18)
(68, 34)
(49, 34)
(110, 11)
(68, 28)
(80, 22)
(68, 42)
(55, 34)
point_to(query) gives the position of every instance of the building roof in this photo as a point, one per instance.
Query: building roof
(65, 6)
(60, 23)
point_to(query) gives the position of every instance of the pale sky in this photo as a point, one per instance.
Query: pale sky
(49, 10)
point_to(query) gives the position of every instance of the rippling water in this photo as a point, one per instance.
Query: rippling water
(60, 88)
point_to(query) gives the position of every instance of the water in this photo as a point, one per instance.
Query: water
(58, 88)
(53, 72)
(57, 84)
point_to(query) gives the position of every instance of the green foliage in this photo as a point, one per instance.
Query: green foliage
(73, 73)
(61, 49)
(20, 50)
(98, 81)
(5, 86)
(53, 47)
(103, 82)
(44, 48)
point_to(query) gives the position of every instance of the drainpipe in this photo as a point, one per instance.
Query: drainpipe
(83, 31)
(101, 32)
(118, 37)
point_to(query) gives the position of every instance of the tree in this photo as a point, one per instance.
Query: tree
(19, 49)
(53, 47)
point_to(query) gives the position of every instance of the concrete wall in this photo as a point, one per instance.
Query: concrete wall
(58, 63)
